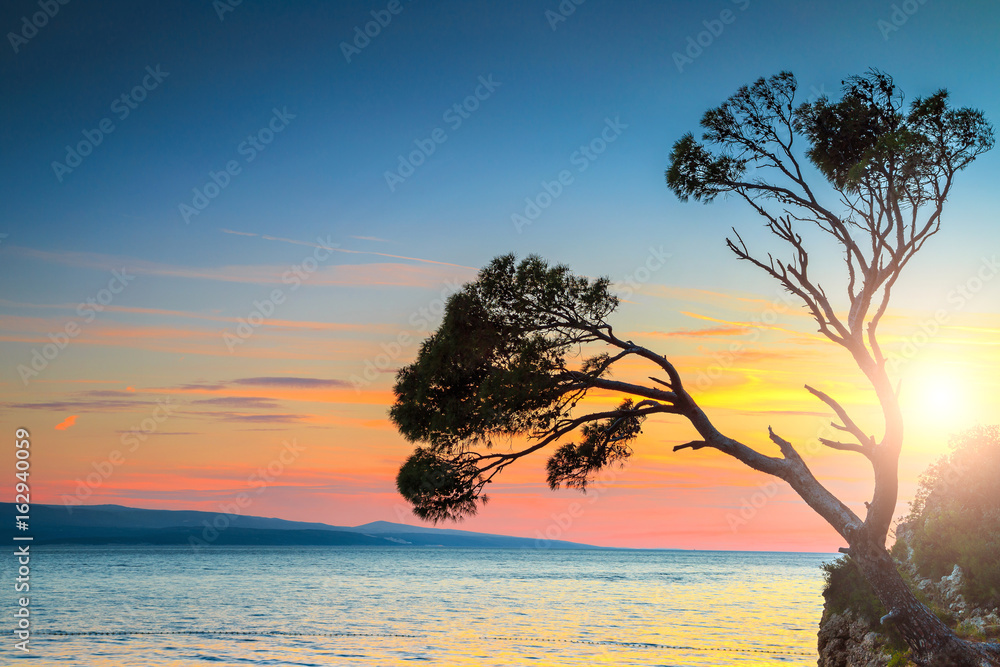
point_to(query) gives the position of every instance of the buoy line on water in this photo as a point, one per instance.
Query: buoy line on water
(286, 633)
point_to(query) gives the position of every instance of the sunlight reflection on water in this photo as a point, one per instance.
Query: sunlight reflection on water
(375, 606)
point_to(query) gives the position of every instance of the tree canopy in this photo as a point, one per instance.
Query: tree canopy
(955, 517)
(500, 366)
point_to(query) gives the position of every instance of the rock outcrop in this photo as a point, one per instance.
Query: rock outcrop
(846, 640)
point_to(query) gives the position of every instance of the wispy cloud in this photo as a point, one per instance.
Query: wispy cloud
(349, 275)
(242, 402)
(161, 433)
(200, 387)
(81, 405)
(697, 333)
(746, 325)
(99, 400)
(29, 324)
(793, 413)
(297, 382)
(257, 419)
(309, 244)
(276, 339)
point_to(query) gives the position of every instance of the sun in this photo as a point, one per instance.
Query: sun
(936, 395)
(943, 396)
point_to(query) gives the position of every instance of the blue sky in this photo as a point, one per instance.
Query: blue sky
(324, 175)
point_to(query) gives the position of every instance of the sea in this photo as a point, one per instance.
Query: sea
(148, 606)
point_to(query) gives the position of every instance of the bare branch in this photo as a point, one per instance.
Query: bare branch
(866, 443)
(694, 444)
(844, 446)
(787, 450)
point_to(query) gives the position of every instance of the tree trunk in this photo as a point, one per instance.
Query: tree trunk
(932, 642)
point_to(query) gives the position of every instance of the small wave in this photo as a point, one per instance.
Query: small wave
(776, 650)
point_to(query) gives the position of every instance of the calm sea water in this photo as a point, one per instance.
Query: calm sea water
(375, 606)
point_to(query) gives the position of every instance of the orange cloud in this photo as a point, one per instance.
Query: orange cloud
(277, 339)
(728, 330)
(744, 325)
(66, 423)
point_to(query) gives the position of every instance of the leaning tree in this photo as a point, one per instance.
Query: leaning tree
(512, 358)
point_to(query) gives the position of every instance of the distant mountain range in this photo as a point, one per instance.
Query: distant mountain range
(117, 524)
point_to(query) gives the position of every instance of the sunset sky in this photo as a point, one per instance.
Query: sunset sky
(231, 224)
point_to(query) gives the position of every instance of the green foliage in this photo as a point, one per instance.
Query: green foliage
(604, 443)
(852, 139)
(741, 127)
(899, 658)
(493, 366)
(846, 589)
(695, 172)
(439, 487)
(955, 516)
(497, 368)
(967, 630)
(863, 142)
(899, 549)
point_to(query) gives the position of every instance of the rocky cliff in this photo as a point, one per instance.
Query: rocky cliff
(848, 639)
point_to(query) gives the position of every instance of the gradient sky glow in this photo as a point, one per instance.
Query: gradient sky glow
(341, 274)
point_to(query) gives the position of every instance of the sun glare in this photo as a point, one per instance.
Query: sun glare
(936, 396)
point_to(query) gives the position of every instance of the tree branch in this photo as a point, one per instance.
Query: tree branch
(866, 444)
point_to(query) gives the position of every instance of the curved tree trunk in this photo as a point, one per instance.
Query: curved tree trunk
(932, 642)
(885, 227)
